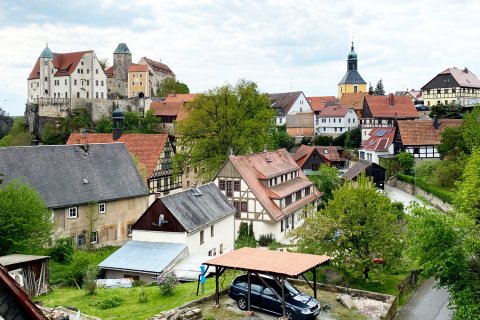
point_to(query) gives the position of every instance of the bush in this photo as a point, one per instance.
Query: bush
(440, 193)
(167, 283)
(62, 251)
(107, 303)
(266, 239)
(273, 246)
(406, 162)
(246, 237)
(143, 295)
(90, 278)
(323, 141)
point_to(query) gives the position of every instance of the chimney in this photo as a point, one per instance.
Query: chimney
(436, 124)
(265, 150)
(391, 99)
(465, 70)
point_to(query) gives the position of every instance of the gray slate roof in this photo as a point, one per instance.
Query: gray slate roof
(67, 175)
(148, 257)
(352, 77)
(195, 210)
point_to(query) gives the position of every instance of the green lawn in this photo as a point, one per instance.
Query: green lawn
(130, 308)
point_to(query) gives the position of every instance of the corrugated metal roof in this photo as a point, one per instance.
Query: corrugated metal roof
(269, 261)
(141, 256)
(189, 268)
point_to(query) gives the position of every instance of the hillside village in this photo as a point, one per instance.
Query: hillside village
(171, 195)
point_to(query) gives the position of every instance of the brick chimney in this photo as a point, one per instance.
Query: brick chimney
(436, 124)
(391, 100)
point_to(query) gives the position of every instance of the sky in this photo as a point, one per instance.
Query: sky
(281, 45)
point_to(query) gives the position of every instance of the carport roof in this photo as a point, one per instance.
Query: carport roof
(290, 264)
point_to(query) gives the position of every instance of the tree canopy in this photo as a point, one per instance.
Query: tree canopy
(170, 85)
(326, 180)
(356, 226)
(223, 121)
(25, 221)
(379, 90)
(18, 134)
(449, 111)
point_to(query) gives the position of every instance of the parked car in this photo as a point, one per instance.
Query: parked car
(298, 305)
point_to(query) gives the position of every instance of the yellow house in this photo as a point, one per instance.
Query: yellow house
(139, 81)
(352, 81)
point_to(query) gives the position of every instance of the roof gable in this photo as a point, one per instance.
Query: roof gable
(336, 111)
(453, 77)
(422, 132)
(64, 63)
(380, 107)
(169, 109)
(319, 103)
(158, 66)
(283, 102)
(354, 100)
(381, 138)
(68, 175)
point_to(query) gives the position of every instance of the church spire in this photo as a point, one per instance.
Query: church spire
(352, 59)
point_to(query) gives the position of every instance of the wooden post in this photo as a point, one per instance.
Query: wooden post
(249, 290)
(314, 270)
(284, 311)
(217, 291)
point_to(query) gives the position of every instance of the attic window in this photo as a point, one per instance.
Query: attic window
(325, 151)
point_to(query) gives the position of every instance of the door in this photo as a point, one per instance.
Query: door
(270, 301)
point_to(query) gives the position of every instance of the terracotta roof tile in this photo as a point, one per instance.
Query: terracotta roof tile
(146, 147)
(337, 111)
(318, 103)
(402, 107)
(380, 139)
(64, 63)
(328, 153)
(180, 97)
(171, 109)
(158, 66)
(354, 100)
(109, 72)
(422, 132)
(138, 68)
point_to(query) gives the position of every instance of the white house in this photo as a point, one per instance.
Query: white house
(379, 144)
(269, 189)
(289, 103)
(335, 120)
(67, 75)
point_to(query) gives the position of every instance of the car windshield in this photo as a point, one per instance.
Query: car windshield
(291, 289)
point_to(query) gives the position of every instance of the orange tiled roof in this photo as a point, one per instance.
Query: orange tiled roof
(381, 138)
(336, 111)
(147, 148)
(402, 107)
(64, 63)
(170, 109)
(255, 167)
(354, 100)
(180, 97)
(304, 152)
(422, 132)
(137, 68)
(109, 72)
(319, 103)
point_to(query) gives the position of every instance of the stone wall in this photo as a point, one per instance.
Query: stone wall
(412, 189)
(180, 314)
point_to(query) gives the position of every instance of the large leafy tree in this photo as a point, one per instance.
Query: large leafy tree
(467, 198)
(326, 180)
(25, 221)
(18, 134)
(227, 120)
(170, 85)
(356, 226)
(471, 128)
(449, 111)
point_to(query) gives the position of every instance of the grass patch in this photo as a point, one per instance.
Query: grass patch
(444, 194)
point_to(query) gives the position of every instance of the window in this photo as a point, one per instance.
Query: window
(141, 83)
(288, 200)
(96, 94)
(236, 185)
(446, 90)
(129, 230)
(453, 90)
(286, 223)
(229, 188)
(65, 81)
(102, 207)
(281, 226)
(96, 71)
(75, 81)
(438, 91)
(78, 94)
(201, 237)
(88, 94)
(81, 240)
(88, 70)
(214, 251)
(244, 206)
(221, 248)
(72, 213)
(209, 253)
(221, 183)
(236, 204)
(94, 237)
(416, 150)
(133, 83)
(102, 95)
(78, 70)
(298, 195)
(101, 83)
(212, 231)
(141, 75)
(307, 191)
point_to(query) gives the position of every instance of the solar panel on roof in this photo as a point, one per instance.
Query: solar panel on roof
(381, 133)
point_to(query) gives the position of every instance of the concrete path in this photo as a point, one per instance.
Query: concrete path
(398, 195)
(426, 303)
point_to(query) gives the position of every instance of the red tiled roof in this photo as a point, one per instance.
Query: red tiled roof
(318, 103)
(304, 152)
(284, 263)
(109, 72)
(255, 167)
(422, 132)
(402, 107)
(331, 153)
(380, 139)
(147, 148)
(337, 111)
(158, 66)
(138, 68)
(354, 100)
(64, 63)
(170, 109)
(180, 97)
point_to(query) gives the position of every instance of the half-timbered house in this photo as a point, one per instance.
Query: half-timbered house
(269, 189)
(421, 137)
(309, 158)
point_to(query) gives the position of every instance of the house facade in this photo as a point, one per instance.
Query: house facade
(310, 158)
(319, 103)
(353, 100)
(268, 189)
(66, 76)
(158, 71)
(139, 81)
(379, 144)
(333, 121)
(290, 103)
(352, 81)
(451, 86)
(93, 188)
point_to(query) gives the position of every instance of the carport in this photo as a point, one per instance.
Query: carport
(277, 264)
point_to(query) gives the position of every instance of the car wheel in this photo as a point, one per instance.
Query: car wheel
(290, 314)
(242, 303)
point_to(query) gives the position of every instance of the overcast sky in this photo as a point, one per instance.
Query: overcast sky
(281, 45)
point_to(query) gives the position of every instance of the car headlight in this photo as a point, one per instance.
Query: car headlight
(306, 311)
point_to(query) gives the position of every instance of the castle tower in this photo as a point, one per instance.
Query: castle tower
(352, 81)
(122, 59)
(46, 58)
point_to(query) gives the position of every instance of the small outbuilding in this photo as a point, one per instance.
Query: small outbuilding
(30, 272)
(371, 169)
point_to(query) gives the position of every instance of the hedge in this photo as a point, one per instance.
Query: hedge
(443, 194)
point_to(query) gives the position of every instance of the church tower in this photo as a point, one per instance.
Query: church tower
(352, 81)
(122, 59)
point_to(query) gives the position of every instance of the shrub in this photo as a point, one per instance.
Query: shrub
(143, 295)
(266, 239)
(406, 162)
(90, 278)
(167, 283)
(246, 236)
(442, 194)
(62, 251)
(107, 303)
(273, 245)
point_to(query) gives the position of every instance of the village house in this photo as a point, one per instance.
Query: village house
(66, 76)
(353, 100)
(421, 137)
(319, 103)
(333, 121)
(415, 95)
(451, 86)
(95, 186)
(295, 105)
(384, 111)
(184, 227)
(139, 81)
(154, 153)
(352, 81)
(269, 189)
(309, 158)
(158, 71)
(379, 144)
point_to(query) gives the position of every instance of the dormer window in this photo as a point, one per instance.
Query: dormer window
(288, 200)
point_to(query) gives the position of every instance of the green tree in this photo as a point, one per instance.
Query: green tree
(25, 221)
(282, 139)
(323, 140)
(467, 198)
(104, 125)
(326, 180)
(170, 85)
(103, 63)
(406, 162)
(449, 111)
(452, 142)
(18, 134)
(57, 131)
(371, 91)
(471, 128)
(246, 237)
(357, 225)
(353, 139)
(379, 90)
(223, 121)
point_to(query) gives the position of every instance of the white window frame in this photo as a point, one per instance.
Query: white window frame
(100, 205)
(94, 239)
(70, 210)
